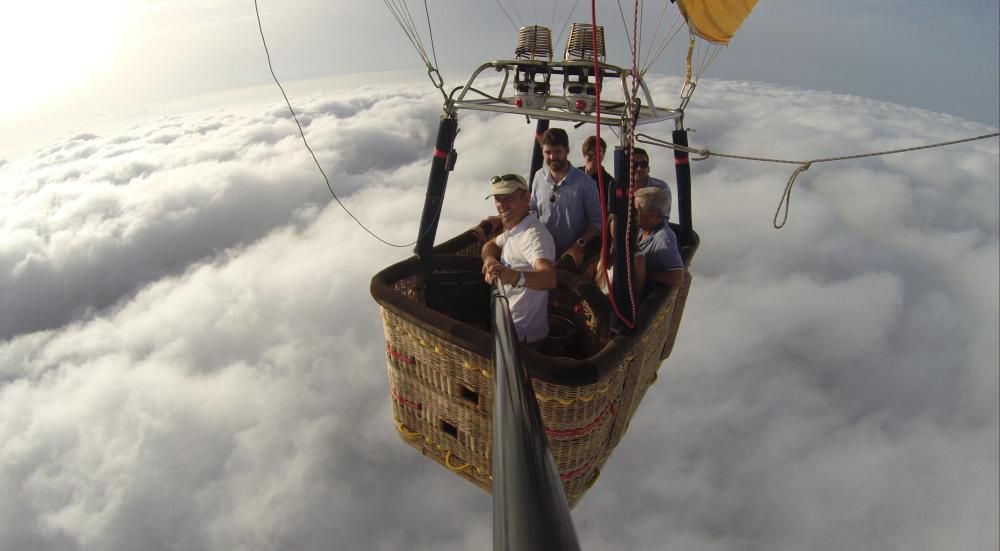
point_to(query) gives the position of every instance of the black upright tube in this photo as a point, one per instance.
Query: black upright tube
(621, 204)
(683, 170)
(437, 183)
(529, 506)
(536, 150)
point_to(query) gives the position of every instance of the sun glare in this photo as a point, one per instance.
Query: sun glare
(51, 47)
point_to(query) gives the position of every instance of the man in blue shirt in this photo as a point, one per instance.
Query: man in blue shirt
(567, 202)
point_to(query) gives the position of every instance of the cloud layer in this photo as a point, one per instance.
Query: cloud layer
(190, 359)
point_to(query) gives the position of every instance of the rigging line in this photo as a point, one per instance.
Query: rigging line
(659, 20)
(656, 49)
(517, 13)
(786, 196)
(566, 23)
(430, 31)
(676, 27)
(640, 9)
(621, 10)
(715, 48)
(552, 22)
(405, 21)
(602, 189)
(401, 12)
(267, 53)
(707, 51)
(633, 119)
(504, 10)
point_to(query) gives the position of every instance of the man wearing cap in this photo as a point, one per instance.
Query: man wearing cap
(521, 257)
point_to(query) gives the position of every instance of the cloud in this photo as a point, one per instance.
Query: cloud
(190, 358)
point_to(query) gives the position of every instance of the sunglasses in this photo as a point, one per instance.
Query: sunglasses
(507, 178)
(642, 164)
(555, 194)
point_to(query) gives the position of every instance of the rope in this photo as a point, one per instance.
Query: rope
(512, 24)
(786, 196)
(566, 22)
(601, 187)
(302, 133)
(401, 12)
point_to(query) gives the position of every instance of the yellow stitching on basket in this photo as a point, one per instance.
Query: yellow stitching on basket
(486, 374)
(413, 435)
(447, 463)
(406, 431)
(437, 349)
(567, 401)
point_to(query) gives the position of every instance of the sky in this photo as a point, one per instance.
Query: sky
(189, 358)
(76, 61)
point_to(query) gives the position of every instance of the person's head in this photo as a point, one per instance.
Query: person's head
(511, 197)
(591, 159)
(555, 149)
(641, 166)
(651, 205)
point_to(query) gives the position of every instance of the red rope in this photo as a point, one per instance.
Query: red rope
(557, 433)
(399, 355)
(404, 401)
(570, 475)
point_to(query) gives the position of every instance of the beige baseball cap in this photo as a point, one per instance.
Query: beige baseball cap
(507, 184)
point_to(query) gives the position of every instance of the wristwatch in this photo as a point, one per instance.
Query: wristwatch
(520, 280)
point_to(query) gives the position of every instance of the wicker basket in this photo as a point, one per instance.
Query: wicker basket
(441, 372)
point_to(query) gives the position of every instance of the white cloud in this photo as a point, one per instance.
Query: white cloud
(190, 357)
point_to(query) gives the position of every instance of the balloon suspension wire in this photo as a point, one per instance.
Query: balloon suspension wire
(305, 142)
(786, 196)
(401, 12)
(569, 18)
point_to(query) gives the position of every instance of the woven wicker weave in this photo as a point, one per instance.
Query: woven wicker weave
(440, 371)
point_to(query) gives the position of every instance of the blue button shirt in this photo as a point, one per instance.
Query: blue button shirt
(661, 250)
(577, 205)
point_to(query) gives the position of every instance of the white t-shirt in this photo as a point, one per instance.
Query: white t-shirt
(520, 247)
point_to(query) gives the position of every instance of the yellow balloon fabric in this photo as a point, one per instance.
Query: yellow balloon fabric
(715, 20)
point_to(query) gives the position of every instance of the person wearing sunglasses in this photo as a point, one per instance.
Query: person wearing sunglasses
(567, 202)
(521, 257)
(643, 179)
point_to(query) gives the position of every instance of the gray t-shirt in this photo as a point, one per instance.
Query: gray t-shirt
(661, 250)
